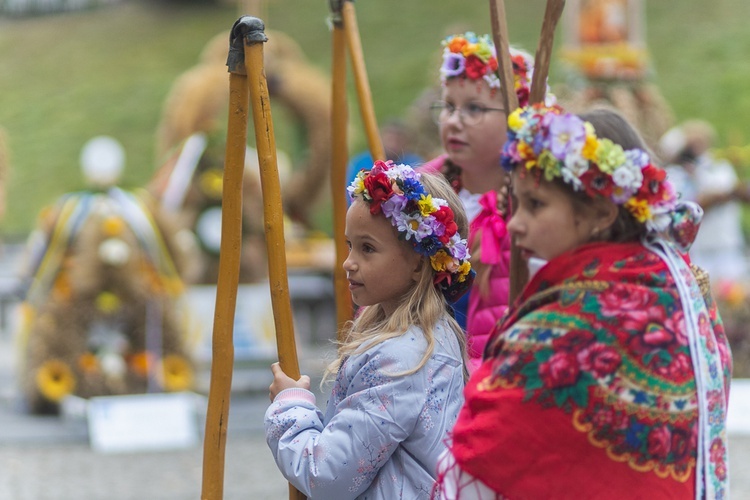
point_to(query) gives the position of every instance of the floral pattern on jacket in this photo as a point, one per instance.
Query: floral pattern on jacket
(381, 434)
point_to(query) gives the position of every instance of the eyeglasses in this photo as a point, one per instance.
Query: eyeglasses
(470, 115)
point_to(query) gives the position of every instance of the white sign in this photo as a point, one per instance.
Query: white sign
(143, 422)
(254, 331)
(738, 413)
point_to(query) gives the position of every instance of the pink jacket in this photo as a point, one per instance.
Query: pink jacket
(484, 311)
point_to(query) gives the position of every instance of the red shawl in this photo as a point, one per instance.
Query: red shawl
(587, 389)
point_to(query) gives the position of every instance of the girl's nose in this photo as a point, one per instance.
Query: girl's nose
(514, 225)
(348, 264)
(454, 119)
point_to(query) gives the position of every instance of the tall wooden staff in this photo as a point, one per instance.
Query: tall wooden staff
(346, 36)
(544, 50)
(339, 157)
(354, 44)
(245, 62)
(519, 273)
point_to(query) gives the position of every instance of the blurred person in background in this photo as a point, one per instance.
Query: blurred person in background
(699, 176)
(397, 144)
(472, 120)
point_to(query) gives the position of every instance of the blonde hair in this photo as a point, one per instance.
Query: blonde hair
(422, 306)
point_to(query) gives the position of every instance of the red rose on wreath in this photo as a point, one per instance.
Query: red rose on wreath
(475, 68)
(445, 216)
(379, 188)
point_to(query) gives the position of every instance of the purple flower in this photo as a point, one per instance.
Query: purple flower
(438, 228)
(412, 225)
(453, 65)
(637, 157)
(567, 133)
(458, 248)
(394, 204)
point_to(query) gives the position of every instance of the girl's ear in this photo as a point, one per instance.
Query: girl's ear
(606, 213)
(418, 268)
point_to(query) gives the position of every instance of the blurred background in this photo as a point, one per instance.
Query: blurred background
(108, 69)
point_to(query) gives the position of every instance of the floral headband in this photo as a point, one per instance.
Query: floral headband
(561, 145)
(475, 58)
(426, 222)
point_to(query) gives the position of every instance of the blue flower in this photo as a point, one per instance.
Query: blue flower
(428, 246)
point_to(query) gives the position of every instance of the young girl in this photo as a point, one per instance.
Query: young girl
(610, 376)
(472, 121)
(400, 372)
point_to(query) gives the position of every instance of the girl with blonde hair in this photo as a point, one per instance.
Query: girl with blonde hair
(400, 371)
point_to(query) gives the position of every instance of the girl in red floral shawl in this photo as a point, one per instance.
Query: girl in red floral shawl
(610, 376)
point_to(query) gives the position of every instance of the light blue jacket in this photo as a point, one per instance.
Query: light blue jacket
(381, 435)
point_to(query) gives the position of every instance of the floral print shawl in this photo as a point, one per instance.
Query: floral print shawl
(588, 389)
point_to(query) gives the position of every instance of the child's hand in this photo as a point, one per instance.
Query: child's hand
(281, 381)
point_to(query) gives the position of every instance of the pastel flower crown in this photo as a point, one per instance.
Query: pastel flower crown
(561, 145)
(426, 222)
(475, 58)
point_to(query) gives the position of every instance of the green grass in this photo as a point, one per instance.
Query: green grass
(65, 78)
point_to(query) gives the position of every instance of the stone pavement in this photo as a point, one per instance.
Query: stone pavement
(49, 458)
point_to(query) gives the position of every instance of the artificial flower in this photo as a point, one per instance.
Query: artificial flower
(421, 219)
(556, 144)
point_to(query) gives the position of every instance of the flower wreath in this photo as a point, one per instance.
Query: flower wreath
(475, 58)
(426, 222)
(561, 145)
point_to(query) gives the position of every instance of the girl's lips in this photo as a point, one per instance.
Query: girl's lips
(354, 284)
(525, 254)
(455, 144)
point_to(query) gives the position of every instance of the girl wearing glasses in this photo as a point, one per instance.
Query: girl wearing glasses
(472, 122)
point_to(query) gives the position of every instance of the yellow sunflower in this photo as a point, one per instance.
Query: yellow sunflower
(55, 380)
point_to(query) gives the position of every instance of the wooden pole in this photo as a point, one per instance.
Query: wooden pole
(273, 217)
(544, 51)
(222, 357)
(246, 52)
(339, 158)
(519, 272)
(502, 47)
(360, 79)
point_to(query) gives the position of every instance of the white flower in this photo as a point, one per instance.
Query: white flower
(409, 225)
(637, 157)
(575, 166)
(659, 222)
(628, 177)
(492, 80)
(402, 171)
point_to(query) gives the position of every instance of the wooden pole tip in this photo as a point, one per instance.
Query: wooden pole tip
(246, 29)
(249, 28)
